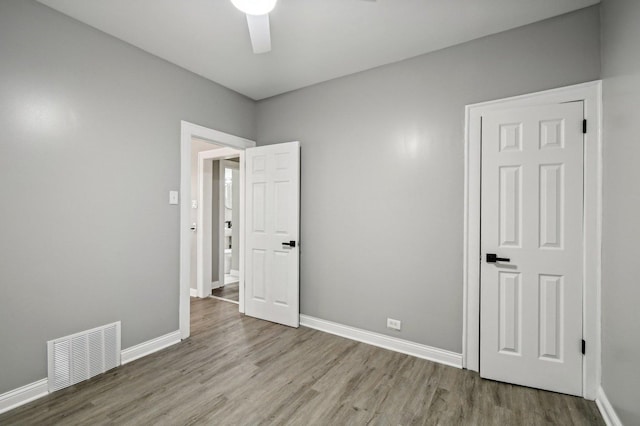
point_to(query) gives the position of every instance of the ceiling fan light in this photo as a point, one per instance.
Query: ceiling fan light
(255, 7)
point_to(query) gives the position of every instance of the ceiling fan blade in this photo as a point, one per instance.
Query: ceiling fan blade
(259, 32)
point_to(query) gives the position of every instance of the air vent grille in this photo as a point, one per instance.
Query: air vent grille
(78, 357)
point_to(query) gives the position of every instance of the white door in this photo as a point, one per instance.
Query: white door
(272, 233)
(532, 210)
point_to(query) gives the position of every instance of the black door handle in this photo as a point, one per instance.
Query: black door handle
(291, 244)
(493, 258)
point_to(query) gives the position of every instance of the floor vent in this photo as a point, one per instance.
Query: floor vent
(83, 355)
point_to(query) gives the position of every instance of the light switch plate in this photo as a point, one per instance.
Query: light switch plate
(173, 197)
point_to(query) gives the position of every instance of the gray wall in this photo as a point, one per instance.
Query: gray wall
(621, 227)
(89, 150)
(197, 146)
(383, 166)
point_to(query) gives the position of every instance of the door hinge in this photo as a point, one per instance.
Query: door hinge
(584, 347)
(584, 126)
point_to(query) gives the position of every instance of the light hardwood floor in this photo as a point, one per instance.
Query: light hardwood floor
(228, 291)
(239, 370)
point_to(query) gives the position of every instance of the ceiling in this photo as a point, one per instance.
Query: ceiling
(312, 40)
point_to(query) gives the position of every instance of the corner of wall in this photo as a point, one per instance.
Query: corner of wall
(607, 411)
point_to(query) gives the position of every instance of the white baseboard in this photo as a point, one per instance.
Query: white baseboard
(392, 343)
(17, 397)
(234, 272)
(606, 409)
(193, 292)
(22, 395)
(149, 347)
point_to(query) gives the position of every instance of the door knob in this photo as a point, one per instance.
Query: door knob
(291, 244)
(493, 258)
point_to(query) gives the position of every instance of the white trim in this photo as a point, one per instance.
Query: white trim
(241, 260)
(193, 292)
(23, 395)
(234, 272)
(27, 393)
(591, 94)
(187, 132)
(215, 136)
(226, 164)
(220, 224)
(392, 343)
(606, 409)
(149, 347)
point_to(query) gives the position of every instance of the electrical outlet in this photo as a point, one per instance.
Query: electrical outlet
(394, 324)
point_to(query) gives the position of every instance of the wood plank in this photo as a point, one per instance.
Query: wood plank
(228, 291)
(240, 370)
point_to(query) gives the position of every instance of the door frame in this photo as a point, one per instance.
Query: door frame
(591, 94)
(239, 166)
(204, 241)
(187, 132)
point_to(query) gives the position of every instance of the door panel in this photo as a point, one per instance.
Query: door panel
(551, 295)
(273, 204)
(532, 215)
(257, 289)
(510, 206)
(510, 319)
(551, 198)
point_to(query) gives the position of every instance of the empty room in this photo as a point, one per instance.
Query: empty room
(319, 212)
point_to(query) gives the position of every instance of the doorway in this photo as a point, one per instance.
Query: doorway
(481, 272)
(208, 216)
(531, 225)
(212, 140)
(213, 228)
(229, 226)
(271, 193)
(272, 209)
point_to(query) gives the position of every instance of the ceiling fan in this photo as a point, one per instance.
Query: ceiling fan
(258, 21)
